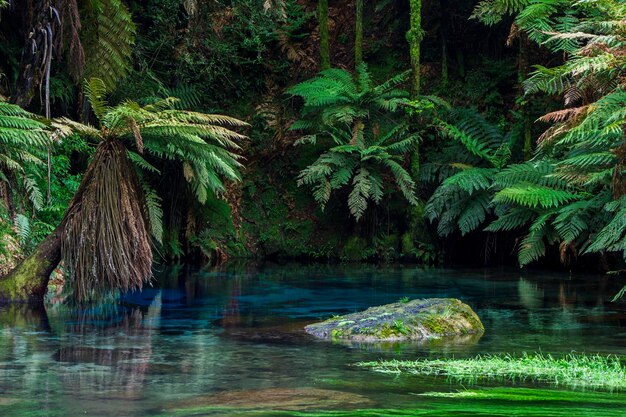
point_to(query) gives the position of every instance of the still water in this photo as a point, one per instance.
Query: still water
(230, 342)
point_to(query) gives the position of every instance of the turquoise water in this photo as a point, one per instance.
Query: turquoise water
(230, 342)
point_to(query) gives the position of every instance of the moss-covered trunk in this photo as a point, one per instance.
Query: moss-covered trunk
(414, 36)
(28, 282)
(324, 35)
(358, 37)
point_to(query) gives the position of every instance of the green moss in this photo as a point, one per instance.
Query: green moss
(20, 283)
(436, 324)
(473, 319)
(407, 245)
(355, 249)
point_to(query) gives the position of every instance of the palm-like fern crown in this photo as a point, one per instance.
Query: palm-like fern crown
(338, 99)
(588, 135)
(466, 170)
(368, 143)
(203, 143)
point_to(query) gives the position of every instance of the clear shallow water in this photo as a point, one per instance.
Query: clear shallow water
(230, 342)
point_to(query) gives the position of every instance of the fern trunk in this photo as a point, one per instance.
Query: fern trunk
(414, 36)
(106, 242)
(324, 35)
(103, 235)
(28, 282)
(358, 38)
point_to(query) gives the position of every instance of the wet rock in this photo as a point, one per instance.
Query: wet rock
(287, 399)
(413, 320)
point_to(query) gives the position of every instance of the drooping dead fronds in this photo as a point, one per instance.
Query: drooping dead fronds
(563, 121)
(106, 242)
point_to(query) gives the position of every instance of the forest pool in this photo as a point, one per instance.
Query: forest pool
(230, 343)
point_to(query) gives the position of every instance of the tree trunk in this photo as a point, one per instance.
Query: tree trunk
(523, 70)
(28, 282)
(358, 38)
(324, 35)
(414, 36)
(443, 31)
(42, 24)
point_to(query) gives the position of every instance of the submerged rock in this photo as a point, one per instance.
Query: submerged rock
(414, 320)
(288, 399)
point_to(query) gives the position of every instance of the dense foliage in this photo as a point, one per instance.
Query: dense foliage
(510, 127)
(358, 117)
(571, 193)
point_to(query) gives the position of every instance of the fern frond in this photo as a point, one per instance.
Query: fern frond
(109, 37)
(22, 228)
(534, 196)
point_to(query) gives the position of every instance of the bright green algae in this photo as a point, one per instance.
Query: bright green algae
(586, 371)
(482, 402)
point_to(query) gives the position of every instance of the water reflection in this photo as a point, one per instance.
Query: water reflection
(97, 353)
(209, 336)
(109, 348)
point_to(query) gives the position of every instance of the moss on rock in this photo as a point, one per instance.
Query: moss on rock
(413, 320)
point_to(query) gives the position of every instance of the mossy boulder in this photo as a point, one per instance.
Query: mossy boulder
(413, 320)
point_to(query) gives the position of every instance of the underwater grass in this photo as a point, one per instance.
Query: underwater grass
(573, 370)
(491, 402)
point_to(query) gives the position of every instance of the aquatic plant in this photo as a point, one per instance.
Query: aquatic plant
(483, 402)
(574, 370)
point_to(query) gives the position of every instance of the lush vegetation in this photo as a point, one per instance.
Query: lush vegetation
(413, 136)
(582, 371)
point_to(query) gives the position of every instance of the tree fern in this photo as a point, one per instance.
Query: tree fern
(367, 137)
(105, 237)
(572, 192)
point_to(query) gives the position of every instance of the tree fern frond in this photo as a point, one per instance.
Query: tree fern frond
(534, 196)
(109, 37)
